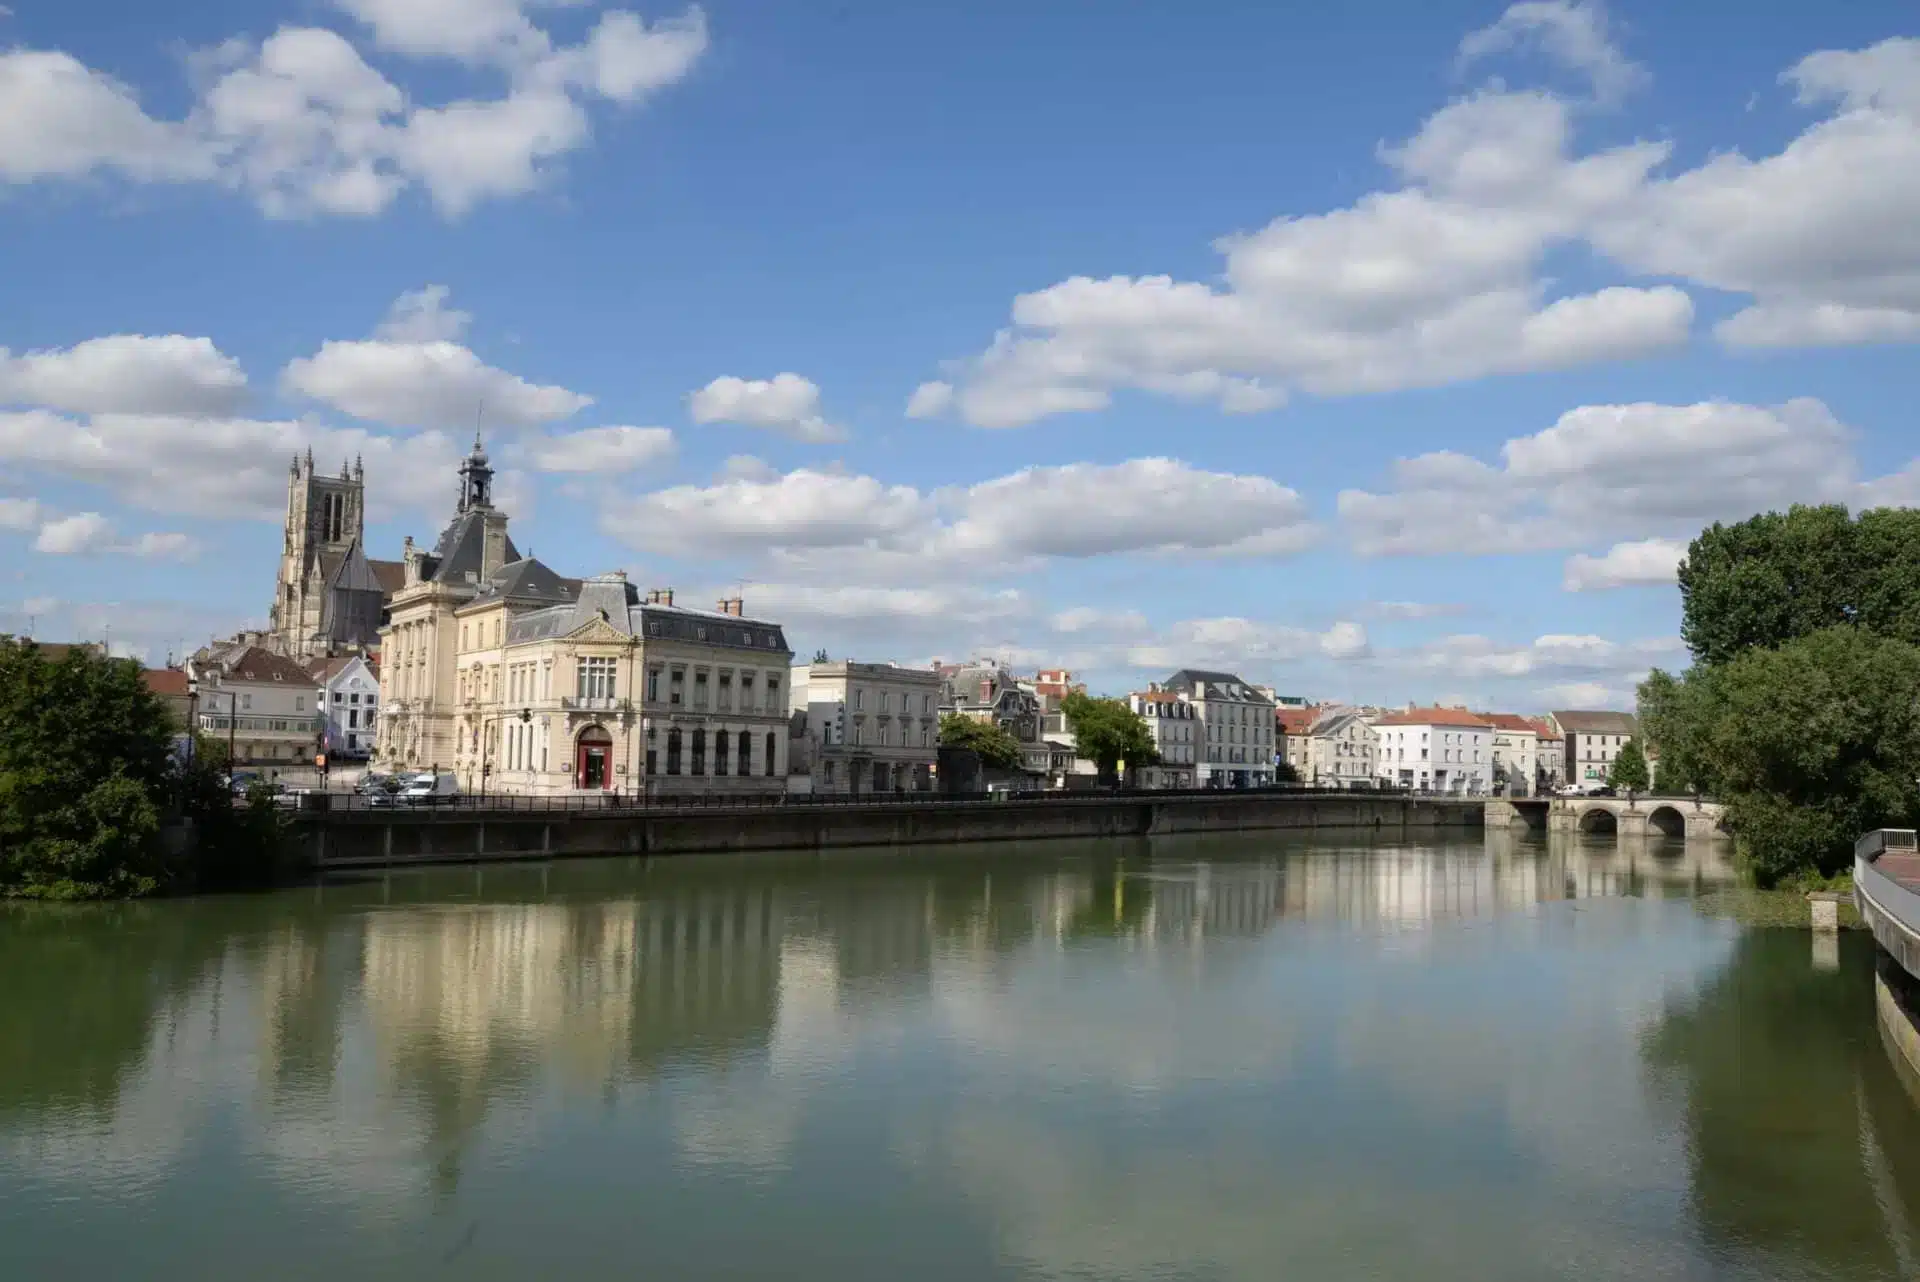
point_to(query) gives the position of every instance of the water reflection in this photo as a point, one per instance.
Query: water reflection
(1196, 1057)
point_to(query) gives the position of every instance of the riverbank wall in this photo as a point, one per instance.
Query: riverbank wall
(388, 838)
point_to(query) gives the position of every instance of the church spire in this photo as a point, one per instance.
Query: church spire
(476, 478)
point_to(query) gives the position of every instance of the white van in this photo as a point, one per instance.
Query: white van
(428, 790)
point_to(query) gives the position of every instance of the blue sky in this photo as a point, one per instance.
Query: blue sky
(1339, 345)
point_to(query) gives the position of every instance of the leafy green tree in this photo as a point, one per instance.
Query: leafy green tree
(1629, 771)
(85, 770)
(1810, 745)
(990, 742)
(1285, 772)
(1108, 732)
(1778, 576)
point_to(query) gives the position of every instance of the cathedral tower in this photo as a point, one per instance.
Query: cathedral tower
(326, 519)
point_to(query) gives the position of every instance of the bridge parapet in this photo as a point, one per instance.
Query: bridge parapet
(1686, 817)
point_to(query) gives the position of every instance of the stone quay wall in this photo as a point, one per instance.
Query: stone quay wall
(387, 838)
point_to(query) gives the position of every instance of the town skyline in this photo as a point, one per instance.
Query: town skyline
(1418, 406)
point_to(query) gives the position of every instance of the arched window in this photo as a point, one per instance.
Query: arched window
(673, 751)
(769, 766)
(720, 752)
(699, 752)
(746, 754)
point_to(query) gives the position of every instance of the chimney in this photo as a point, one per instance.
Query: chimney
(666, 597)
(986, 692)
(736, 606)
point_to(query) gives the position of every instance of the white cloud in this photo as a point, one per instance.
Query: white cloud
(1822, 234)
(1345, 641)
(930, 400)
(1610, 471)
(91, 534)
(785, 403)
(422, 316)
(1245, 646)
(841, 524)
(1411, 609)
(605, 450)
(305, 126)
(431, 382)
(19, 514)
(1432, 282)
(61, 119)
(1648, 561)
(167, 374)
(1586, 694)
(1572, 34)
(220, 467)
(165, 547)
(1473, 656)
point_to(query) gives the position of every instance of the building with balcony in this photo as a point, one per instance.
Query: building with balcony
(264, 704)
(1236, 728)
(1174, 725)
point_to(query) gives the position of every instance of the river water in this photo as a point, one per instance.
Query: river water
(1244, 1058)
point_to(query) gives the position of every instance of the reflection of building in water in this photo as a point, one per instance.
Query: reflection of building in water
(1402, 886)
(709, 973)
(304, 977)
(1227, 899)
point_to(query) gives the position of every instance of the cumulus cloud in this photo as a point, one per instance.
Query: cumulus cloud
(1475, 656)
(1610, 471)
(163, 374)
(930, 400)
(228, 467)
(1574, 35)
(1647, 561)
(91, 534)
(785, 403)
(423, 381)
(19, 514)
(605, 450)
(1410, 609)
(304, 126)
(820, 519)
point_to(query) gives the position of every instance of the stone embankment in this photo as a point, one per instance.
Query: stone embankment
(385, 838)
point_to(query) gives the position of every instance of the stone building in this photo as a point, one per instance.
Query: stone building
(1237, 728)
(1516, 753)
(1435, 749)
(349, 702)
(264, 703)
(867, 727)
(1293, 739)
(1172, 722)
(329, 598)
(1592, 740)
(1343, 746)
(985, 691)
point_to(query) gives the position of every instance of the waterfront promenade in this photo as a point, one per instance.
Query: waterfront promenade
(332, 837)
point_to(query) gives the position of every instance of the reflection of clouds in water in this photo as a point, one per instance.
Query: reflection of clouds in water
(743, 1122)
(1227, 1205)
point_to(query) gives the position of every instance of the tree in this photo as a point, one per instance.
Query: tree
(1810, 745)
(1778, 576)
(1670, 724)
(1285, 772)
(85, 771)
(1629, 770)
(1108, 732)
(990, 742)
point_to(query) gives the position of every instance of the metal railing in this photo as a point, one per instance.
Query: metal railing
(1871, 845)
(574, 802)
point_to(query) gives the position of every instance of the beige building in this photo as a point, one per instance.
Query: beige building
(1293, 739)
(1516, 754)
(519, 680)
(1343, 745)
(1592, 740)
(867, 727)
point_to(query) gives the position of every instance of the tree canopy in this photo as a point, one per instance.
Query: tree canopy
(990, 742)
(1778, 576)
(1108, 732)
(1629, 771)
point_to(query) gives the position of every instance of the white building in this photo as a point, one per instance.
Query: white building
(263, 703)
(1174, 724)
(350, 702)
(1236, 728)
(866, 727)
(1435, 750)
(1516, 753)
(1343, 747)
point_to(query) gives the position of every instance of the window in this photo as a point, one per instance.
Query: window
(699, 752)
(676, 687)
(653, 687)
(341, 698)
(746, 693)
(926, 705)
(299, 703)
(700, 692)
(653, 756)
(673, 751)
(886, 701)
(720, 752)
(770, 747)
(746, 754)
(860, 698)
(594, 678)
(726, 692)
(773, 694)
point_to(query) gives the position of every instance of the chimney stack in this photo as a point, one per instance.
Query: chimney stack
(736, 606)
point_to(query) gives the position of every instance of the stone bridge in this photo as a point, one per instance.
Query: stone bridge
(1683, 817)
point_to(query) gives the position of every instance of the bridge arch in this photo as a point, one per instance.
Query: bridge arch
(1599, 821)
(1667, 821)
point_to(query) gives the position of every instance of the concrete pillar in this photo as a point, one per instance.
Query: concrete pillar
(1825, 910)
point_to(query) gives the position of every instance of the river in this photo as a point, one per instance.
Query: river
(1205, 1058)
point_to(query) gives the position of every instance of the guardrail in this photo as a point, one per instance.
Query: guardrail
(512, 803)
(1870, 846)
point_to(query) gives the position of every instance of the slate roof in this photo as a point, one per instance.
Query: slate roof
(618, 602)
(1193, 678)
(351, 573)
(461, 550)
(1579, 722)
(256, 664)
(528, 580)
(390, 575)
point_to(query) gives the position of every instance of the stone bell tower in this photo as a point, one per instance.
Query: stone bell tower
(326, 518)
